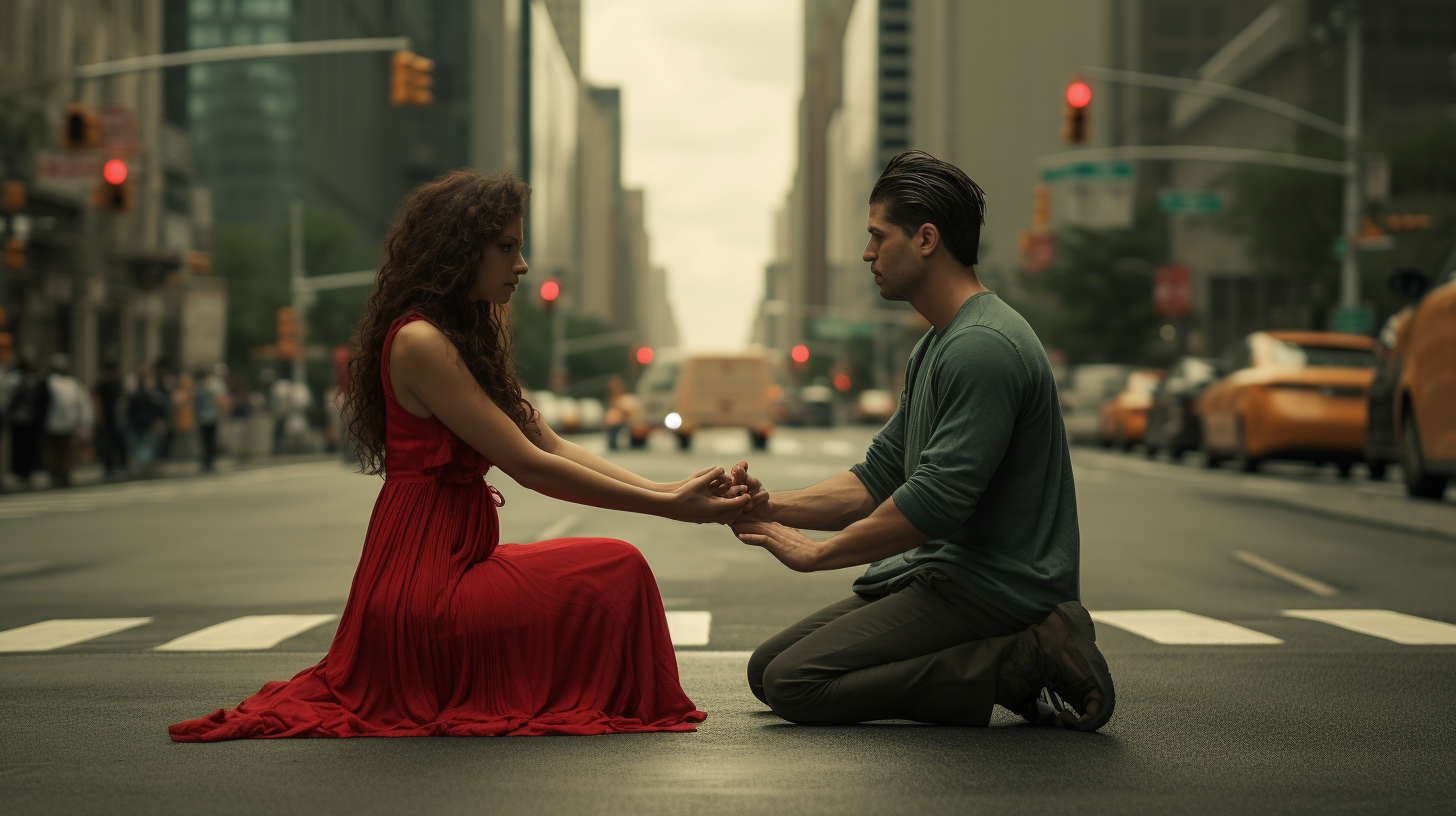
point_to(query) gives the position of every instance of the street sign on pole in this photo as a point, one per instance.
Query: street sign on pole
(1191, 202)
(1093, 194)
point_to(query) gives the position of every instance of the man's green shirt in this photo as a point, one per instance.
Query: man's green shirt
(976, 458)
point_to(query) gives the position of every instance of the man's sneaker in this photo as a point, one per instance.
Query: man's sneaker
(1078, 685)
(1039, 710)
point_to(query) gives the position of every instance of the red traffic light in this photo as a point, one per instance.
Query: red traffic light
(842, 382)
(550, 290)
(800, 354)
(644, 355)
(114, 171)
(1079, 94)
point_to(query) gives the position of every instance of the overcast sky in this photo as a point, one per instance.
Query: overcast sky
(709, 91)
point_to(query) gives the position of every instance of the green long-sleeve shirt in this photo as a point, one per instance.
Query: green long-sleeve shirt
(976, 458)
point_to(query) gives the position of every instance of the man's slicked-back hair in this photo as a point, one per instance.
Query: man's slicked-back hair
(917, 188)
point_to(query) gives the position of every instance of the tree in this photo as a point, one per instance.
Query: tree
(587, 372)
(1096, 301)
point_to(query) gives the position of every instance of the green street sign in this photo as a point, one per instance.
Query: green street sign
(1191, 202)
(1357, 319)
(1115, 170)
(835, 328)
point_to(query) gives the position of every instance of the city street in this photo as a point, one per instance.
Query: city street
(1281, 643)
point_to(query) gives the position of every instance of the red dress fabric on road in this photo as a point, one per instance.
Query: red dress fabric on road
(449, 633)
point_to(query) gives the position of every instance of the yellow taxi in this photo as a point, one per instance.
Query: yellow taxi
(1413, 399)
(1124, 418)
(1291, 395)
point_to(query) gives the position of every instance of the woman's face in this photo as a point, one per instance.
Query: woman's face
(502, 266)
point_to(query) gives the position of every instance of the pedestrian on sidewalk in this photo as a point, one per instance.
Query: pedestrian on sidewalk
(25, 410)
(68, 419)
(183, 397)
(110, 435)
(146, 420)
(963, 509)
(212, 403)
(166, 387)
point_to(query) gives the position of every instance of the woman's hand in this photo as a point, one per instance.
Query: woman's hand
(797, 551)
(723, 482)
(757, 509)
(708, 497)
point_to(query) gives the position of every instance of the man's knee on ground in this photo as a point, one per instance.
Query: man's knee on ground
(791, 693)
(757, 665)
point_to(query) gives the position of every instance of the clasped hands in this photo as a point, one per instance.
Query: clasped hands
(749, 514)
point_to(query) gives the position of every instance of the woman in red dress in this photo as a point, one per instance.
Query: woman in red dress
(447, 631)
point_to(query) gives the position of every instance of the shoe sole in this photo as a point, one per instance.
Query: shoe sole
(1084, 639)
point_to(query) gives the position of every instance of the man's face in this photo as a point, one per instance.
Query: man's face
(502, 266)
(894, 257)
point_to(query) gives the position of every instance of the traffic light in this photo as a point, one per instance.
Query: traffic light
(80, 129)
(644, 355)
(289, 330)
(1074, 116)
(14, 254)
(800, 355)
(410, 80)
(550, 293)
(12, 199)
(114, 191)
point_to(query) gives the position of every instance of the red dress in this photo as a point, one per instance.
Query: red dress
(447, 634)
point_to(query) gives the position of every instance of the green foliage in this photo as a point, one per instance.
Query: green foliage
(1096, 301)
(256, 268)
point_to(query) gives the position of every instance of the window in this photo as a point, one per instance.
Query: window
(895, 96)
(895, 28)
(895, 73)
(895, 50)
(894, 120)
(1295, 355)
(894, 144)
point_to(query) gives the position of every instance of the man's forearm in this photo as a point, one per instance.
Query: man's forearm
(833, 504)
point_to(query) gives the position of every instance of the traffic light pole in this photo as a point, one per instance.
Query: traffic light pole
(1349, 132)
(301, 294)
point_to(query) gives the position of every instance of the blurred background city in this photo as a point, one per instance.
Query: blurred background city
(1232, 224)
(196, 190)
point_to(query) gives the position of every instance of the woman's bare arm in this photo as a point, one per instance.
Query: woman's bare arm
(426, 366)
(550, 442)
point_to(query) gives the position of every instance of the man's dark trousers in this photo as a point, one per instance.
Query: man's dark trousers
(926, 651)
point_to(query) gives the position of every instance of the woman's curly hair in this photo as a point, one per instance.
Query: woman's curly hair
(432, 259)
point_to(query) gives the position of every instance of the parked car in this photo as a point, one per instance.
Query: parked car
(875, 406)
(1173, 422)
(1087, 387)
(1124, 415)
(1412, 408)
(1290, 395)
(686, 393)
(816, 405)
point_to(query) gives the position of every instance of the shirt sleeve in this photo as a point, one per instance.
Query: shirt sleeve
(978, 385)
(883, 468)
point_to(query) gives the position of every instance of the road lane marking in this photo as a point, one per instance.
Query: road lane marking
(560, 528)
(250, 632)
(1285, 574)
(1174, 626)
(53, 634)
(1383, 623)
(838, 447)
(787, 447)
(689, 628)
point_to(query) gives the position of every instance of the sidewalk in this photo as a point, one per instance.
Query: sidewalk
(91, 474)
(1380, 504)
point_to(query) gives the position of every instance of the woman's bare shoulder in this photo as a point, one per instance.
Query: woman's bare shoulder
(419, 338)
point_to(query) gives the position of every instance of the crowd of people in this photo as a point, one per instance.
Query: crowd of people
(127, 423)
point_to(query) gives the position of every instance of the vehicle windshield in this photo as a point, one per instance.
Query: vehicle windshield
(1295, 355)
(1142, 382)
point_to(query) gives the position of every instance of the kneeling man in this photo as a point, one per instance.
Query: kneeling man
(963, 508)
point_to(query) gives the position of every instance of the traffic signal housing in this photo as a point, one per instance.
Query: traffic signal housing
(410, 80)
(114, 192)
(1075, 128)
(80, 128)
(14, 254)
(289, 333)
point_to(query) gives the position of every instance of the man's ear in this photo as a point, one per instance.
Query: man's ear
(927, 238)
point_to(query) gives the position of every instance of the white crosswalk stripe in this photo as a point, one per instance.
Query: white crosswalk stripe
(245, 633)
(53, 634)
(689, 628)
(1383, 623)
(1174, 626)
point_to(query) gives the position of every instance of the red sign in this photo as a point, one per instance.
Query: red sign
(1173, 290)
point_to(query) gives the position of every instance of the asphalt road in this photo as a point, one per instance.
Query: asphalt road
(1227, 703)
